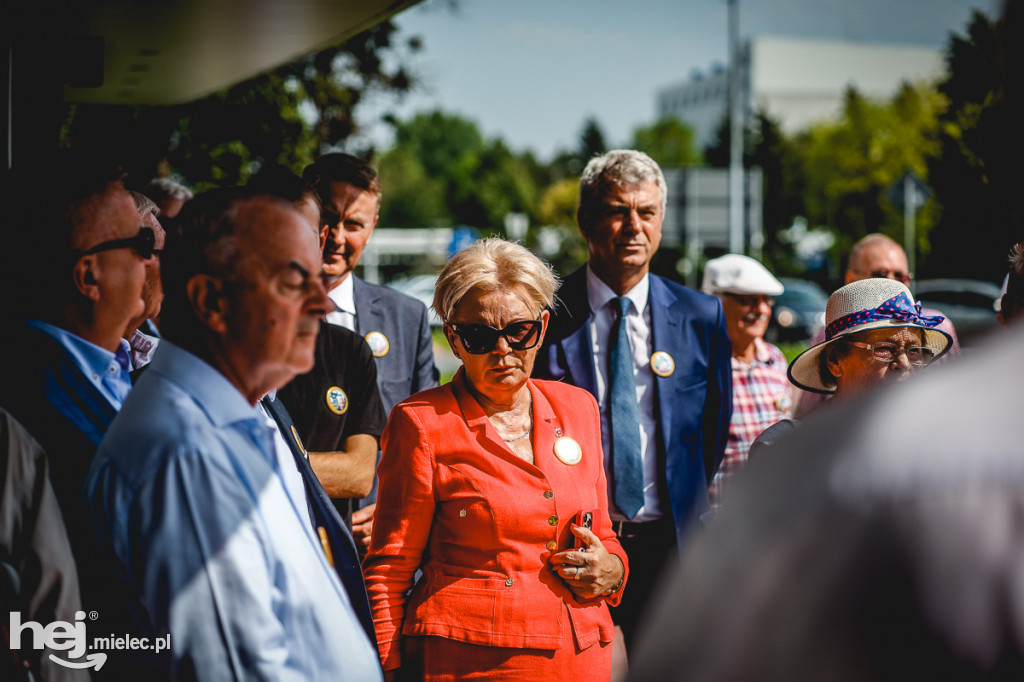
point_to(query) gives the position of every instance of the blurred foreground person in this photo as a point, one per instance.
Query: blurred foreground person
(483, 485)
(761, 392)
(884, 542)
(205, 532)
(1011, 305)
(38, 581)
(874, 334)
(880, 257)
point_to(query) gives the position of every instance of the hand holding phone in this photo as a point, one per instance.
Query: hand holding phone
(587, 518)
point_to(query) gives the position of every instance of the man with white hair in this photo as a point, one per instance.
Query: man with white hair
(761, 392)
(655, 355)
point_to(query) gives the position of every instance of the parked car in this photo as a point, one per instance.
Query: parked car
(799, 311)
(420, 287)
(968, 303)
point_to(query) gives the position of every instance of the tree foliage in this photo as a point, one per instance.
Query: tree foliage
(669, 141)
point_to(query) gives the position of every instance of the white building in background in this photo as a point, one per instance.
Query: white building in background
(798, 81)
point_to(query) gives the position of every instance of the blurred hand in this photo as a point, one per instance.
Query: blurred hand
(362, 524)
(589, 573)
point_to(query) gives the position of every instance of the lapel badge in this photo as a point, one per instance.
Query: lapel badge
(378, 343)
(783, 403)
(662, 363)
(568, 451)
(337, 401)
(298, 441)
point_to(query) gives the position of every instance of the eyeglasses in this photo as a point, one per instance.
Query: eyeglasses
(481, 338)
(144, 244)
(888, 352)
(751, 300)
(901, 277)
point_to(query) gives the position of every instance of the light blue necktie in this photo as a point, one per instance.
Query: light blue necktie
(627, 474)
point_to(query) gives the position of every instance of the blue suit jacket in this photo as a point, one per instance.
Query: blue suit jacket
(408, 367)
(694, 402)
(323, 514)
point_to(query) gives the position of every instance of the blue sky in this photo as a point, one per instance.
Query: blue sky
(531, 71)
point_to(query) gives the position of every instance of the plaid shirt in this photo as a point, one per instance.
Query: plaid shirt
(761, 396)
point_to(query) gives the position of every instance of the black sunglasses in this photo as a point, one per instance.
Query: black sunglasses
(481, 338)
(144, 244)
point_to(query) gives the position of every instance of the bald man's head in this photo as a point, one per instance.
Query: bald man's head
(877, 255)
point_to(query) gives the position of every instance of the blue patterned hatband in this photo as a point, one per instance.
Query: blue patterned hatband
(899, 307)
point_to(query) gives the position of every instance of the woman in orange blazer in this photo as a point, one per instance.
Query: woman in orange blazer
(481, 483)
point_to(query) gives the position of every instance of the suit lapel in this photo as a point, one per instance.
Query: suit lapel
(666, 335)
(343, 548)
(576, 343)
(368, 317)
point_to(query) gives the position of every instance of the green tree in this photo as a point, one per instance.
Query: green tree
(478, 181)
(591, 140)
(976, 174)
(669, 141)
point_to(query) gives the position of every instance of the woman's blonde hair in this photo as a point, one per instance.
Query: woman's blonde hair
(489, 265)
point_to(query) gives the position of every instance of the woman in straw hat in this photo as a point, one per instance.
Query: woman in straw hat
(874, 334)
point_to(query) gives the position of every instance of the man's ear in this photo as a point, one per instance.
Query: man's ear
(84, 277)
(206, 295)
(325, 229)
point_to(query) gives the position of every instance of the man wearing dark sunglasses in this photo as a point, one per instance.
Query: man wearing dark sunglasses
(876, 255)
(65, 371)
(656, 357)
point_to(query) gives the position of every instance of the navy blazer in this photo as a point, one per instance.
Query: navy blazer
(694, 403)
(408, 366)
(323, 515)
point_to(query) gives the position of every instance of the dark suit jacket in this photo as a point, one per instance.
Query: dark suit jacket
(408, 366)
(44, 390)
(694, 402)
(323, 515)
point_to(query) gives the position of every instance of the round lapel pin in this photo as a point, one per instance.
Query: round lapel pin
(337, 401)
(378, 343)
(783, 403)
(298, 441)
(662, 363)
(568, 451)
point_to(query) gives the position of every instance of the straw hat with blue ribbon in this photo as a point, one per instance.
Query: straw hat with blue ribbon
(873, 303)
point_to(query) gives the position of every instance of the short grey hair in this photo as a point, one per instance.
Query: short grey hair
(159, 189)
(619, 167)
(144, 204)
(489, 265)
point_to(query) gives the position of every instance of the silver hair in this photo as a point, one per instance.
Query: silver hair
(159, 189)
(619, 167)
(144, 204)
(1016, 259)
(489, 265)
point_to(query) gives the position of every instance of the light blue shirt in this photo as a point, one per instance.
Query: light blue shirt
(108, 372)
(189, 507)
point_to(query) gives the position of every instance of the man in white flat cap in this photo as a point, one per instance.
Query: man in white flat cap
(761, 392)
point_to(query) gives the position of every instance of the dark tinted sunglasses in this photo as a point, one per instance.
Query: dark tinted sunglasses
(481, 338)
(144, 244)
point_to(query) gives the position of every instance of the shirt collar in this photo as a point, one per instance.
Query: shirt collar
(599, 293)
(90, 358)
(220, 400)
(762, 355)
(343, 296)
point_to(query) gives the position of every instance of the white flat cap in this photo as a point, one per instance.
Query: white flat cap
(736, 274)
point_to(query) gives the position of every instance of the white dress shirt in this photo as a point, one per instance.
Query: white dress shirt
(345, 315)
(638, 324)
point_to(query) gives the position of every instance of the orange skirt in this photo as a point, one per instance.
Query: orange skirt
(442, 659)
